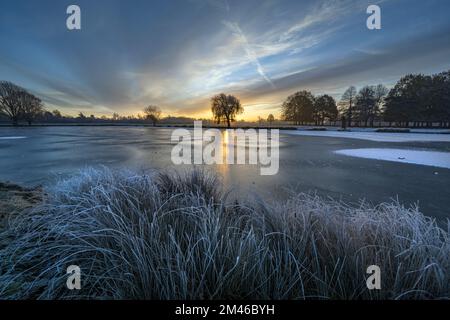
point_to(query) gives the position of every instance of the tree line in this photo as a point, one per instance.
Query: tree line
(363, 107)
(303, 108)
(416, 100)
(17, 104)
(420, 100)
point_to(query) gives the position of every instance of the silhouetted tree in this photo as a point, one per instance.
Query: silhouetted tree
(440, 97)
(380, 93)
(10, 100)
(152, 113)
(31, 107)
(325, 108)
(217, 110)
(115, 116)
(270, 119)
(17, 103)
(410, 100)
(299, 107)
(260, 120)
(47, 116)
(347, 104)
(366, 104)
(57, 114)
(343, 122)
(225, 107)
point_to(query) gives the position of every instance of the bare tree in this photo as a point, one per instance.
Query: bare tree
(152, 113)
(366, 104)
(225, 107)
(17, 103)
(380, 94)
(347, 103)
(31, 107)
(270, 119)
(216, 107)
(10, 100)
(260, 120)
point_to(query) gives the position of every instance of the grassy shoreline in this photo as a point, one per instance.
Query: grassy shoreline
(15, 198)
(179, 236)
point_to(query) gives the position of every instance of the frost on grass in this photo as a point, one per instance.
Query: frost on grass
(177, 236)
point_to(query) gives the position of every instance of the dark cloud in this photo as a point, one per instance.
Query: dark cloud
(426, 53)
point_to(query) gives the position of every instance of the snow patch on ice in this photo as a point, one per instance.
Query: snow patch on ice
(375, 136)
(426, 158)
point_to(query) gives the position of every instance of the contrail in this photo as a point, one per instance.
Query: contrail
(236, 30)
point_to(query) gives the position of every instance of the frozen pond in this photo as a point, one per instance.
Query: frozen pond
(308, 163)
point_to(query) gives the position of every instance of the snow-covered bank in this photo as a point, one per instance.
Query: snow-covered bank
(426, 158)
(11, 138)
(375, 136)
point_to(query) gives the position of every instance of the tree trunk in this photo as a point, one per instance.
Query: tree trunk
(350, 115)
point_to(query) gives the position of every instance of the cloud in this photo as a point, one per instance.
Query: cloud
(178, 54)
(426, 53)
(252, 57)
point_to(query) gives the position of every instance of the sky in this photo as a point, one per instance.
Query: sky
(177, 54)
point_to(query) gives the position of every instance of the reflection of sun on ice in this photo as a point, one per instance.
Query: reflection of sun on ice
(225, 145)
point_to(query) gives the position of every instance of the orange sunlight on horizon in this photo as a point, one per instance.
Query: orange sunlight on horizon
(252, 110)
